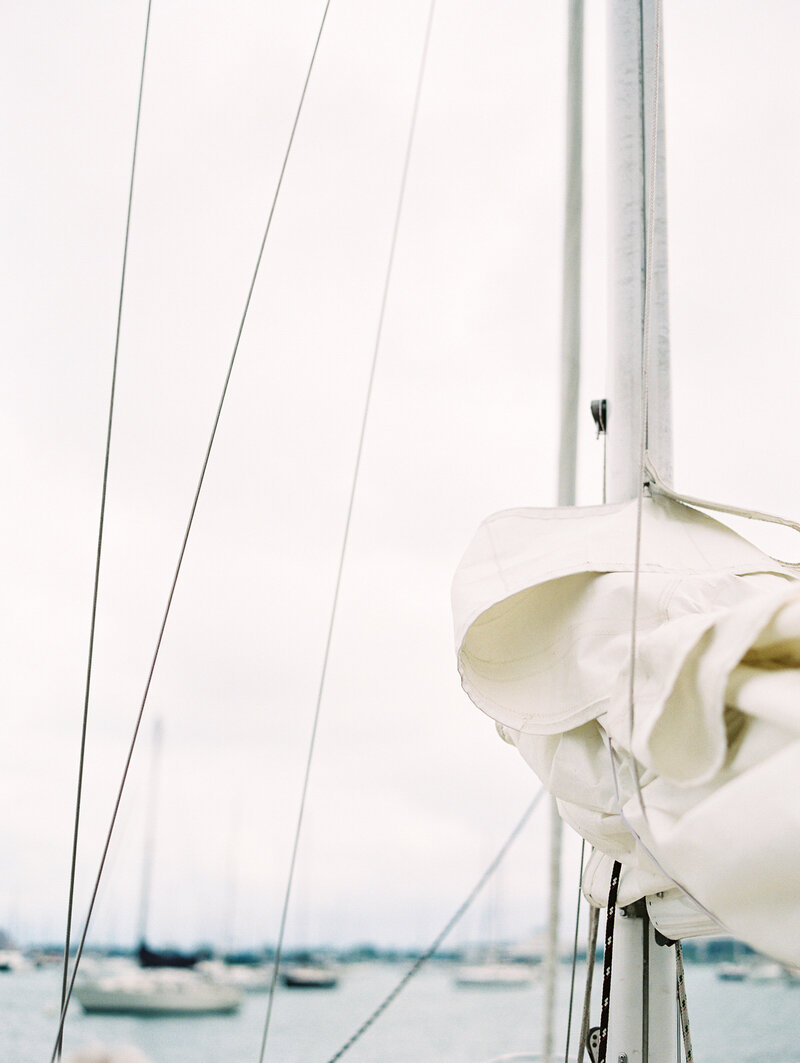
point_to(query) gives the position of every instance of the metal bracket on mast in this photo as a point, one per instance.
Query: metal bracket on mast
(600, 414)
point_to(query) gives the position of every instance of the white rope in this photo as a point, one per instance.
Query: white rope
(683, 1008)
(659, 487)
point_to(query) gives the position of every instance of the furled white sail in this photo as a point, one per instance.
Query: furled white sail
(543, 604)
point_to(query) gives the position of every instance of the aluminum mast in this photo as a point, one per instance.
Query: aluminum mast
(642, 1020)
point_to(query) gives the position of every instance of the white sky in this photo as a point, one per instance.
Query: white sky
(411, 790)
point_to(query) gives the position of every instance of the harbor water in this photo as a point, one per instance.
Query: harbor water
(432, 1021)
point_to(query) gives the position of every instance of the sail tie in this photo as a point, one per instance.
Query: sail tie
(659, 487)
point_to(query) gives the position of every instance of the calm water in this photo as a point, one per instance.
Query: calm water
(433, 1021)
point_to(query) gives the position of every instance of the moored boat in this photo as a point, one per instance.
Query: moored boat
(495, 976)
(157, 992)
(309, 976)
(732, 972)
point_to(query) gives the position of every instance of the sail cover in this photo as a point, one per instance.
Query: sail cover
(699, 787)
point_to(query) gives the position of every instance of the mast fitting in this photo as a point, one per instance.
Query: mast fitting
(600, 414)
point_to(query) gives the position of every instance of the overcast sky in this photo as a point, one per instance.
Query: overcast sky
(411, 789)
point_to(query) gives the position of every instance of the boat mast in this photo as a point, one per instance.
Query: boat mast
(631, 59)
(150, 831)
(642, 1020)
(568, 438)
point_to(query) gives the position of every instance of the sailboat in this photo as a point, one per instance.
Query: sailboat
(309, 976)
(642, 656)
(509, 725)
(166, 983)
(495, 975)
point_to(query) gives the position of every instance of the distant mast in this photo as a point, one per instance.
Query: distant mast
(150, 832)
(568, 429)
(643, 1011)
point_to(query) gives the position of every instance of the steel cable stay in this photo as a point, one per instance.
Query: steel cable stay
(348, 520)
(101, 523)
(591, 959)
(644, 409)
(182, 551)
(440, 937)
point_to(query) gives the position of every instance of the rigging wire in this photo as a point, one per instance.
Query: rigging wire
(348, 518)
(649, 252)
(426, 955)
(187, 531)
(591, 959)
(657, 486)
(103, 494)
(574, 953)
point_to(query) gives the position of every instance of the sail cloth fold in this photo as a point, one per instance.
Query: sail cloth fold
(543, 605)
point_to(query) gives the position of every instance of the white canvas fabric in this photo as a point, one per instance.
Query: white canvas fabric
(543, 605)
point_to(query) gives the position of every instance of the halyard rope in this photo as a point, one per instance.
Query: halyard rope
(431, 949)
(644, 408)
(658, 487)
(346, 532)
(683, 1009)
(95, 589)
(186, 537)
